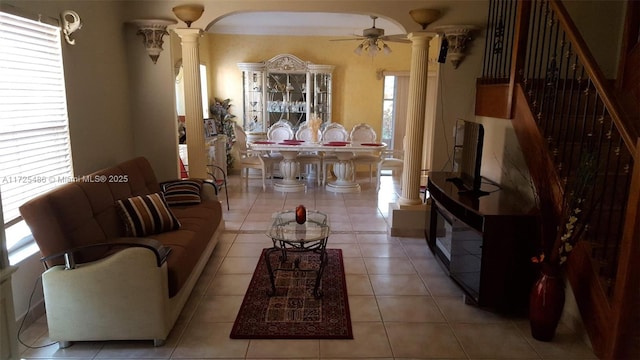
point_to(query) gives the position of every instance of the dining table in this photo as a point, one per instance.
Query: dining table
(343, 168)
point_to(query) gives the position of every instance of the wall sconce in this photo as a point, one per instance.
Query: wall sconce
(456, 37)
(424, 17)
(70, 23)
(153, 31)
(188, 13)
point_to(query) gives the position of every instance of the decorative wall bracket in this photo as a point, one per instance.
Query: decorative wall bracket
(70, 23)
(153, 31)
(457, 37)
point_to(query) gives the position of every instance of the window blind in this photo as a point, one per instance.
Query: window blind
(35, 153)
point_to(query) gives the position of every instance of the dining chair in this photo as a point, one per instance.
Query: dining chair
(280, 131)
(364, 133)
(218, 179)
(390, 160)
(248, 159)
(309, 159)
(332, 132)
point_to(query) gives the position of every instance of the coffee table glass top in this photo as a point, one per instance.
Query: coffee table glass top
(285, 227)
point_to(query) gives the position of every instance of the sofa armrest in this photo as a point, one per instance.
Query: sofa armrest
(122, 296)
(160, 251)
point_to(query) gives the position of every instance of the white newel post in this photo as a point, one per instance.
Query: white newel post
(197, 152)
(415, 118)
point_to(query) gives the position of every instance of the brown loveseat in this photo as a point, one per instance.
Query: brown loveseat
(114, 286)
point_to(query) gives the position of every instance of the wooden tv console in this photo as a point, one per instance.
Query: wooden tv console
(485, 243)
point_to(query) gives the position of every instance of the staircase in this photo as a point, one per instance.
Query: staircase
(539, 73)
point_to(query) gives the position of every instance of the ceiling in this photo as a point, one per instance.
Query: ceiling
(300, 23)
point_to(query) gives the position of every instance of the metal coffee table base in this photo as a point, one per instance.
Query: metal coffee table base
(318, 248)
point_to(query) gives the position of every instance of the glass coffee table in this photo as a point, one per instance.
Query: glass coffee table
(290, 237)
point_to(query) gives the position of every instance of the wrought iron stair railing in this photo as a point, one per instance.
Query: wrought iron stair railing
(573, 108)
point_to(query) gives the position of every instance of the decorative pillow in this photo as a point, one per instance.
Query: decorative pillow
(183, 192)
(147, 215)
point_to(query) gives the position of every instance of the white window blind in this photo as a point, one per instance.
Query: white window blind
(35, 153)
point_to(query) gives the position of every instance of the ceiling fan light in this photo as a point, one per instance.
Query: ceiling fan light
(358, 50)
(373, 51)
(386, 49)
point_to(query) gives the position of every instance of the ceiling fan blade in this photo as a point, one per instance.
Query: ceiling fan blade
(400, 38)
(349, 39)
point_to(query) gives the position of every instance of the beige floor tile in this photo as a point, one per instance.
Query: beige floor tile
(135, 350)
(238, 265)
(214, 308)
(248, 249)
(348, 250)
(456, 311)
(382, 250)
(398, 285)
(354, 265)
(497, 341)
(409, 308)
(283, 349)
(423, 341)
(378, 225)
(338, 238)
(206, 340)
(364, 308)
(376, 239)
(442, 285)
(253, 237)
(358, 285)
(389, 266)
(229, 284)
(369, 340)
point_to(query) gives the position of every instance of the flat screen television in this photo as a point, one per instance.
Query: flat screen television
(469, 142)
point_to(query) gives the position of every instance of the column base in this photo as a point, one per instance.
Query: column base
(284, 187)
(409, 221)
(346, 187)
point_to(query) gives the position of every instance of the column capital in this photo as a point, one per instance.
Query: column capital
(188, 34)
(421, 36)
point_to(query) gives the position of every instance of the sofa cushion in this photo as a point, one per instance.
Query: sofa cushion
(182, 192)
(147, 215)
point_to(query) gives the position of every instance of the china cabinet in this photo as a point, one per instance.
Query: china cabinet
(285, 88)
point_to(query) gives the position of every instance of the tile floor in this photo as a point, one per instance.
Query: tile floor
(402, 304)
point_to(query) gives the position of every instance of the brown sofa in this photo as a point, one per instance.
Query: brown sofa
(102, 284)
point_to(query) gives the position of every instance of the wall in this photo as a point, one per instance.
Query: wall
(97, 99)
(357, 91)
(604, 40)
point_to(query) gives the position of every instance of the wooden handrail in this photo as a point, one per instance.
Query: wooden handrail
(596, 75)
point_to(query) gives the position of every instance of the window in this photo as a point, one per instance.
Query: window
(388, 109)
(35, 153)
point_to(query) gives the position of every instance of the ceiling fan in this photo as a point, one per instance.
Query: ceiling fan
(373, 40)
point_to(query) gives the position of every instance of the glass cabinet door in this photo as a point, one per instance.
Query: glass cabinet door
(286, 98)
(253, 102)
(321, 102)
(284, 88)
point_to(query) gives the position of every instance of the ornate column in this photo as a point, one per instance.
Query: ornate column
(415, 118)
(193, 102)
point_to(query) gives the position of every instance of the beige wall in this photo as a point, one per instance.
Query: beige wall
(357, 92)
(97, 82)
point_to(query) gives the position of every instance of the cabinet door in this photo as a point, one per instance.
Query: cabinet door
(286, 98)
(321, 98)
(253, 101)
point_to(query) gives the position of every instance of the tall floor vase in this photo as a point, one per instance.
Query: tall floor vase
(546, 303)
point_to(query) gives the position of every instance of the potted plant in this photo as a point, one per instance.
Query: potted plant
(224, 124)
(547, 296)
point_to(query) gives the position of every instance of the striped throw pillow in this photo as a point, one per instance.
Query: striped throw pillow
(183, 192)
(147, 215)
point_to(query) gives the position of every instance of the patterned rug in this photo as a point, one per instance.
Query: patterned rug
(293, 312)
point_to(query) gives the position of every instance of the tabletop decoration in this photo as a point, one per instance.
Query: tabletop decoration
(314, 125)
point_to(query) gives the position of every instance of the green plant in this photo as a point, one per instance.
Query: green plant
(224, 124)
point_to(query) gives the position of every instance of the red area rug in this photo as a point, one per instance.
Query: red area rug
(293, 312)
